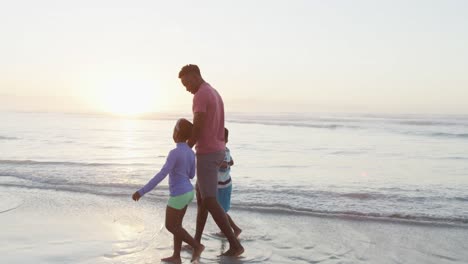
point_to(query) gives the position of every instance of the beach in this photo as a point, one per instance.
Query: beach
(49, 226)
(306, 189)
(345, 131)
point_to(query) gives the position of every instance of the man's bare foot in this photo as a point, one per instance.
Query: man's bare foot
(172, 259)
(237, 232)
(233, 252)
(197, 253)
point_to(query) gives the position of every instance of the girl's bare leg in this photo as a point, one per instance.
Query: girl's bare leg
(174, 219)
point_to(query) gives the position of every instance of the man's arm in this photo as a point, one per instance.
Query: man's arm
(192, 170)
(198, 122)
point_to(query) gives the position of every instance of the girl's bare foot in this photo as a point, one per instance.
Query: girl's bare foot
(197, 252)
(172, 259)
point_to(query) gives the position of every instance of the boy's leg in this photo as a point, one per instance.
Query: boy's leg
(235, 228)
(202, 215)
(225, 201)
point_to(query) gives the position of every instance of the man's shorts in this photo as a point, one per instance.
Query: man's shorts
(207, 173)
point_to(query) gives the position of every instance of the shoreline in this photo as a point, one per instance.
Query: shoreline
(351, 216)
(49, 226)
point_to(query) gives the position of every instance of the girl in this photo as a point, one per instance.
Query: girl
(180, 165)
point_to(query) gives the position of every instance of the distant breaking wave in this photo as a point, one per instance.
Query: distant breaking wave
(358, 124)
(285, 209)
(430, 123)
(293, 124)
(452, 135)
(299, 119)
(8, 138)
(66, 163)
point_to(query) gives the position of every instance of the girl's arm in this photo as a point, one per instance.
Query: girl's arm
(168, 166)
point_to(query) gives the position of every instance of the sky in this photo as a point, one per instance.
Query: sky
(262, 56)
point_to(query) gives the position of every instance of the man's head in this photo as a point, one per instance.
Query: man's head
(182, 130)
(190, 77)
(226, 135)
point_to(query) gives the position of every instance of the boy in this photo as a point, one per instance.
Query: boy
(225, 185)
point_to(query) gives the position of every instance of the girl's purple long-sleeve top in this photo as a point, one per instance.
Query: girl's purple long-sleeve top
(180, 165)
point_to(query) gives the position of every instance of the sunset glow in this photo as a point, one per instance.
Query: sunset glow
(128, 97)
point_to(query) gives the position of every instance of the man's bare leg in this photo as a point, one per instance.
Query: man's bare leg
(219, 216)
(202, 215)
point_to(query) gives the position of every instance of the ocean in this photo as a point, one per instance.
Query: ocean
(391, 168)
(394, 167)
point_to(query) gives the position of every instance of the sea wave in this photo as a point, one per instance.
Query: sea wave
(122, 190)
(305, 119)
(451, 135)
(399, 204)
(274, 191)
(67, 163)
(430, 123)
(8, 138)
(454, 158)
(397, 217)
(385, 124)
(463, 199)
(68, 188)
(55, 183)
(294, 124)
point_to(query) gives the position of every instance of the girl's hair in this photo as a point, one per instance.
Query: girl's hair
(184, 128)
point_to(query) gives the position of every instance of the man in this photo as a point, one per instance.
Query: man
(208, 138)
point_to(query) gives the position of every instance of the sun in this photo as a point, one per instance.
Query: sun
(129, 97)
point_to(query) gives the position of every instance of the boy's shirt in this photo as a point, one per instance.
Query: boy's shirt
(180, 165)
(224, 174)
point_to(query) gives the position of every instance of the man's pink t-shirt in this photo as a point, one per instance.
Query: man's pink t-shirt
(211, 139)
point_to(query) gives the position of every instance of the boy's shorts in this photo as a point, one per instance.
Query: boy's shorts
(180, 201)
(224, 197)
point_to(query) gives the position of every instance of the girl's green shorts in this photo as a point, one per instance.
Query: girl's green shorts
(180, 201)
